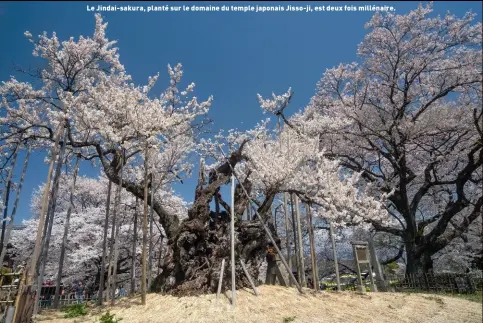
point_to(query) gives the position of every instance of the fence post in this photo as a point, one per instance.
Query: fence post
(471, 285)
(451, 280)
(426, 282)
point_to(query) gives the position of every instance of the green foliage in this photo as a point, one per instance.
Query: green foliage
(109, 318)
(288, 319)
(391, 268)
(7, 280)
(74, 310)
(476, 297)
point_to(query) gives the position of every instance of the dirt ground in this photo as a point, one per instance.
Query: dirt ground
(279, 304)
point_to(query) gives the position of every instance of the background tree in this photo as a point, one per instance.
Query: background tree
(409, 117)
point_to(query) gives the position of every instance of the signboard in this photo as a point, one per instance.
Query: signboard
(362, 254)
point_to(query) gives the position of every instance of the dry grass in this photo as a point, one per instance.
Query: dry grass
(279, 304)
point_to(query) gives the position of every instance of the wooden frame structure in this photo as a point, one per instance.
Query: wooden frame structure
(362, 257)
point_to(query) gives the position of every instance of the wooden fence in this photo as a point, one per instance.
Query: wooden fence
(8, 289)
(64, 301)
(431, 282)
(437, 283)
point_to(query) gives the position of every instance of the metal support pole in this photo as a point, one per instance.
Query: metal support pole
(232, 229)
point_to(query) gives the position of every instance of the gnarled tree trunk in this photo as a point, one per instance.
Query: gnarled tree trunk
(197, 245)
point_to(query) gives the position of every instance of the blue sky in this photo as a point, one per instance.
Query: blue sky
(230, 55)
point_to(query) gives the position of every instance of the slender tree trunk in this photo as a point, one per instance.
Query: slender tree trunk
(145, 229)
(45, 201)
(15, 205)
(45, 253)
(5, 213)
(100, 299)
(66, 232)
(300, 244)
(287, 237)
(160, 259)
(111, 251)
(133, 259)
(117, 211)
(315, 274)
(6, 197)
(295, 240)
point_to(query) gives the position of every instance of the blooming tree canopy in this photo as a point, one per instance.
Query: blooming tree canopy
(408, 120)
(87, 90)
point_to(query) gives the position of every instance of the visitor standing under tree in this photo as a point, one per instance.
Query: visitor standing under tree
(79, 292)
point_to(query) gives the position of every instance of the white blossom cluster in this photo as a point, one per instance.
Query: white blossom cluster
(85, 238)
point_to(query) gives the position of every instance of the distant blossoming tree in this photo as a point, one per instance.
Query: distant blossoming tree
(408, 118)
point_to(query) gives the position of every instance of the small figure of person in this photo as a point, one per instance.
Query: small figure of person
(79, 292)
(309, 283)
(122, 292)
(49, 299)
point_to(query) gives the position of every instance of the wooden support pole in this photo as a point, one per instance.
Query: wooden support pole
(287, 236)
(133, 250)
(300, 244)
(100, 297)
(15, 206)
(117, 212)
(5, 207)
(151, 219)
(44, 254)
(279, 275)
(20, 290)
(66, 233)
(5, 197)
(220, 280)
(232, 232)
(45, 202)
(362, 288)
(145, 230)
(249, 277)
(295, 239)
(269, 234)
(334, 254)
(313, 258)
(380, 281)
